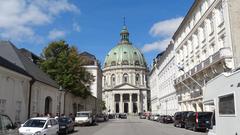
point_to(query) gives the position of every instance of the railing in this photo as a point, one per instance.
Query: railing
(221, 54)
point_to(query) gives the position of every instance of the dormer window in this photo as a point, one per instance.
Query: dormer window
(113, 63)
(137, 62)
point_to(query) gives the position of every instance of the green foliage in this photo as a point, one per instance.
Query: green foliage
(63, 64)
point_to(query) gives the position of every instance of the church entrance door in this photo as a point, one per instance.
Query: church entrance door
(117, 107)
(125, 107)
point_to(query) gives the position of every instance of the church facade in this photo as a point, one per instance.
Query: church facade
(125, 78)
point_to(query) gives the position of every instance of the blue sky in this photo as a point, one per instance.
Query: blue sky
(91, 25)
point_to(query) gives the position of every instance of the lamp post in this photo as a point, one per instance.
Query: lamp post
(60, 97)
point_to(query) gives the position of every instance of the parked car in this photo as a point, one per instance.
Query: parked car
(165, 119)
(142, 116)
(168, 119)
(111, 116)
(198, 121)
(84, 118)
(151, 117)
(40, 126)
(7, 127)
(123, 116)
(106, 117)
(161, 118)
(100, 118)
(66, 125)
(155, 117)
(179, 118)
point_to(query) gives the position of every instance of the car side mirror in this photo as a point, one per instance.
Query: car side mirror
(49, 126)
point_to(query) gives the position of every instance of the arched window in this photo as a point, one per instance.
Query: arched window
(113, 80)
(125, 78)
(137, 78)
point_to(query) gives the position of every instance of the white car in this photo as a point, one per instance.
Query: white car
(40, 126)
(84, 117)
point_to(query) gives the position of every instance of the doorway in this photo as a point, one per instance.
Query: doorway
(48, 105)
(135, 109)
(125, 107)
(117, 108)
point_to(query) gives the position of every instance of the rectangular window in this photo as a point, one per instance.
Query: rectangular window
(226, 104)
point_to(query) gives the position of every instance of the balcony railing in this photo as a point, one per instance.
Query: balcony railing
(221, 54)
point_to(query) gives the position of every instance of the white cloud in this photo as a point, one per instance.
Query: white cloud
(76, 27)
(166, 27)
(164, 30)
(56, 34)
(18, 18)
(158, 45)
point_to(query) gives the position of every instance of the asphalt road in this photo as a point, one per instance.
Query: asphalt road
(133, 126)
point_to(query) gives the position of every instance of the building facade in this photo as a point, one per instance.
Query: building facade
(205, 45)
(92, 65)
(125, 73)
(163, 93)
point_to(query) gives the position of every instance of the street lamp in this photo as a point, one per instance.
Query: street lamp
(60, 96)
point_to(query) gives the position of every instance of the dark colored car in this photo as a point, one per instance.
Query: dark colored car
(100, 117)
(7, 127)
(66, 125)
(123, 116)
(111, 116)
(198, 121)
(161, 119)
(179, 118)
(165, 119)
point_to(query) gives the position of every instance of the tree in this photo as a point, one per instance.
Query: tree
(63, 64)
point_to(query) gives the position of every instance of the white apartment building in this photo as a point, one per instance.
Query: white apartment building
(205, 45)
(163, 74)
(92, 65)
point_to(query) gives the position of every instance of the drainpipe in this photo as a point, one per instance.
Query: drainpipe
(30, 96)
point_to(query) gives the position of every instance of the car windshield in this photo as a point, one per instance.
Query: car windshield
(34, 123)
(82, 114)
(63, 120)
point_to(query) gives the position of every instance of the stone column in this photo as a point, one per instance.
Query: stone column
(130, 103)
(121, 104)
(139, 103)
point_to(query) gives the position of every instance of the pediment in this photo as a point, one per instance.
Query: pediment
(125, 86)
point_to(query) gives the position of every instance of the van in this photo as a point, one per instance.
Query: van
(198, 121)
(84, 118)
(179, 118)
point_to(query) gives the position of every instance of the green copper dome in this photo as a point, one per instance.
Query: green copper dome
(124, 53)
